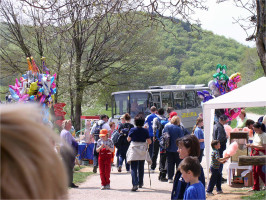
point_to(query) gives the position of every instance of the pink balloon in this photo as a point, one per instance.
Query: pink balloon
(228, 130)
(235, 130)
(246, 129)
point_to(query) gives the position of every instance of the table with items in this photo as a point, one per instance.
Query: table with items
(85, 151)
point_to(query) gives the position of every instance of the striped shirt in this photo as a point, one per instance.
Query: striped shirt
(108, 143)
(215, 156)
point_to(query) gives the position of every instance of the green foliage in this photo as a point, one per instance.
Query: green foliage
(257, 195)
(257, 110)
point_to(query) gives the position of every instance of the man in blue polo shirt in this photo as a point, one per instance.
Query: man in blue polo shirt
(148, 123)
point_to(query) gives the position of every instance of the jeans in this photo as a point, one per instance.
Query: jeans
(156, 148)
(95, 154)
(163, 165)
(221, 150)
(201, 155)
(216, 179)
(151, 147)
(121, 160)
(137, 172)
(173, 161)
(69, 162)
(122, 154)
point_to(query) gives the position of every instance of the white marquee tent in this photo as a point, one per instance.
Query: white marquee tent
(250, 95)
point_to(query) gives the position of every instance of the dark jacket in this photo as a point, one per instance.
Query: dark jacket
(219, 133)
(179, 186)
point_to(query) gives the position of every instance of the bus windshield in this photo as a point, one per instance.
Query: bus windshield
(131, 103)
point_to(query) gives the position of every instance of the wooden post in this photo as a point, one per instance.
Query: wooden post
(251, 160)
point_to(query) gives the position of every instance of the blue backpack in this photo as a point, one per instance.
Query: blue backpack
(162, 123)
(115, 137)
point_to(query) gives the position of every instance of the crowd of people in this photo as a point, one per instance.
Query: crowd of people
(180, 153)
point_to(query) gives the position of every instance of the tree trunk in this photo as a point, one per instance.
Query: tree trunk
(261, 33)
(78, 111)
(251, 160)
(79, 91)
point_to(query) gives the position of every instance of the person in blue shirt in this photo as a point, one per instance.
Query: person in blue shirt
(173, 159)
(190, 169)
(148, 123)
(138, 138)
(198, 132)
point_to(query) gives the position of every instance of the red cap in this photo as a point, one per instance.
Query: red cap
(172, 114)
(103, 132)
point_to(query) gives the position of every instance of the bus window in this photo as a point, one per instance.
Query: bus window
(156, 100)
(190, 99)
(167, 100)
(139, 102)
(198, 101)
(179, 102)
(121, 104)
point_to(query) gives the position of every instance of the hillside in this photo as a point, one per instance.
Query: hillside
(195, 54)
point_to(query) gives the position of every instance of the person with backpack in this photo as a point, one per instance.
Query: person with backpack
(95, 132)
(148, 124)
(122, 143)
(173, 159)
(158, 126)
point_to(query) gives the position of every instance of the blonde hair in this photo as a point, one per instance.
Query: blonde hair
(199, 120)
(243, 112)
(65, 122)
(175, 120)
(30, 167)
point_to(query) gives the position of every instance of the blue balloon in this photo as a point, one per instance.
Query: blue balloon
(13, 94)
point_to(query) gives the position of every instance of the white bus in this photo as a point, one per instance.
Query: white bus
(183, 98)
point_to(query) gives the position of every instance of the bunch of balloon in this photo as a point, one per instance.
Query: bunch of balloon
(220, 85)
(35, 86)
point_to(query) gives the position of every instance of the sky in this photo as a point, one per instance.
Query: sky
(219, 20)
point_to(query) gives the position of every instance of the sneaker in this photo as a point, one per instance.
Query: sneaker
(119, 169)
(163, 179)
(102, 187)
(135, 188)
(170, 181)
(220, 192)
(94, 169)
(140, 186)
(73, 185)
(107, 187)
(210, 194)
(223, 179)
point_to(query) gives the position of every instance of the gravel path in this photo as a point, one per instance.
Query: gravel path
(121, 188)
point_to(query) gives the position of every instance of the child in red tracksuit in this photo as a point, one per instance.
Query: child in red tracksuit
(105, 147)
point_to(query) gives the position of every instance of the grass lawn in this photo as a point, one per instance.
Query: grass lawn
(80, 177)
(259, 195)
(257, 110)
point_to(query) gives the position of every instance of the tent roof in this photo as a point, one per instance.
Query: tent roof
(250, 95)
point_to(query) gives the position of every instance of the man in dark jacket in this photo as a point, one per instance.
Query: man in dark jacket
(220, 134)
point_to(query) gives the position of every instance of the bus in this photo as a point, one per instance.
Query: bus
(183, 98)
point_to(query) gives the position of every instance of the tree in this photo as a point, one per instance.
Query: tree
(255, 21)
(103, 34)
